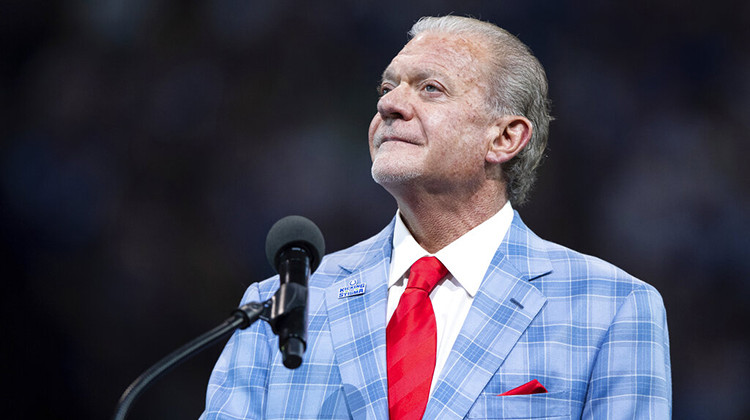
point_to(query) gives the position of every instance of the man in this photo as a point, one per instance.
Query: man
(516, 327)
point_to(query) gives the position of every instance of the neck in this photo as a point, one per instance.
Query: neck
(437, 220)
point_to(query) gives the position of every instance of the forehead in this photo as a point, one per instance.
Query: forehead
(452, 54)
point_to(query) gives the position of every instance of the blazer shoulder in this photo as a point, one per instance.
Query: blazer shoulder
(566, 270)
(592, 272)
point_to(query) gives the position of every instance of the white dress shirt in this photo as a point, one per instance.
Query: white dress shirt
(467, 260)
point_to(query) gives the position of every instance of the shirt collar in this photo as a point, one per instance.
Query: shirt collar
(467, 258)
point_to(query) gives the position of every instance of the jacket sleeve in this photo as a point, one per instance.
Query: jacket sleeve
(631, 377)
(238, 384)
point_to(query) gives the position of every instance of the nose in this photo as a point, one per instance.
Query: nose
(396, 104)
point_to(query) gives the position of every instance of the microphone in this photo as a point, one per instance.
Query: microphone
(294, 248)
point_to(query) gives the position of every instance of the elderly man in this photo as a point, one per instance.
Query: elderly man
(465, 313)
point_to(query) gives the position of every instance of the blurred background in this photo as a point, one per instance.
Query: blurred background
(148, 146)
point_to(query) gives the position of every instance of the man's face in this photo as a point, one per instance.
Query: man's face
(433, 126)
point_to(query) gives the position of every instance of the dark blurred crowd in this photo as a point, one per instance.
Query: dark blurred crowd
(147, 147)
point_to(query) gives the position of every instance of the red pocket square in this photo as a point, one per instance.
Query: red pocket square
(533, 387)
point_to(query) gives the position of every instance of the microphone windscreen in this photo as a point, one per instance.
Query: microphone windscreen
(295, 231)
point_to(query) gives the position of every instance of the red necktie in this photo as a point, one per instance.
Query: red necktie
(411, 342)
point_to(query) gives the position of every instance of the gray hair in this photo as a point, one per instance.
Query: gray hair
(518, 86)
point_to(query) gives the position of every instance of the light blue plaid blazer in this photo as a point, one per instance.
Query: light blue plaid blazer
(593, 335)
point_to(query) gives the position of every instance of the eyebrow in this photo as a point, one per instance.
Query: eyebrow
(421, 74)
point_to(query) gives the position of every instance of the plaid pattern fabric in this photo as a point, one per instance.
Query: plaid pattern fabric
(594, 336)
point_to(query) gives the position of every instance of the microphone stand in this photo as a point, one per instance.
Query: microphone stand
(288, 298)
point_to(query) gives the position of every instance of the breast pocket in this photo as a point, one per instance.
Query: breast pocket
(554, 405)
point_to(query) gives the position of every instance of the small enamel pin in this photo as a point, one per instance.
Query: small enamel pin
(354, 288)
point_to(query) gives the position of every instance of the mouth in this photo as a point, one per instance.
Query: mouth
(379, 141)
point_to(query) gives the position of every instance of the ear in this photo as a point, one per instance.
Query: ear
(511, 134)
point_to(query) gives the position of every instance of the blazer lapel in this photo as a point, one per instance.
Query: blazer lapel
(357, 326)
(503, 308)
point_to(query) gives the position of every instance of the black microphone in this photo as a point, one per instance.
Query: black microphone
(294, 247)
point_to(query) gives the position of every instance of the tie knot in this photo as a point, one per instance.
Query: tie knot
(425, 274)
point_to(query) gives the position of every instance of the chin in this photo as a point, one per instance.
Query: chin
(392, 176)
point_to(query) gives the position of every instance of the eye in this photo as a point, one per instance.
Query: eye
(433, 88)
(383, 89)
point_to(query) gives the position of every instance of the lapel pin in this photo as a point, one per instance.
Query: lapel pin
(354, 288)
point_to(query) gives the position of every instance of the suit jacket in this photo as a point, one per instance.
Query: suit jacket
(593, 335)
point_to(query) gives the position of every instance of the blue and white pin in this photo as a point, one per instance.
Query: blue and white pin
(354, 288)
